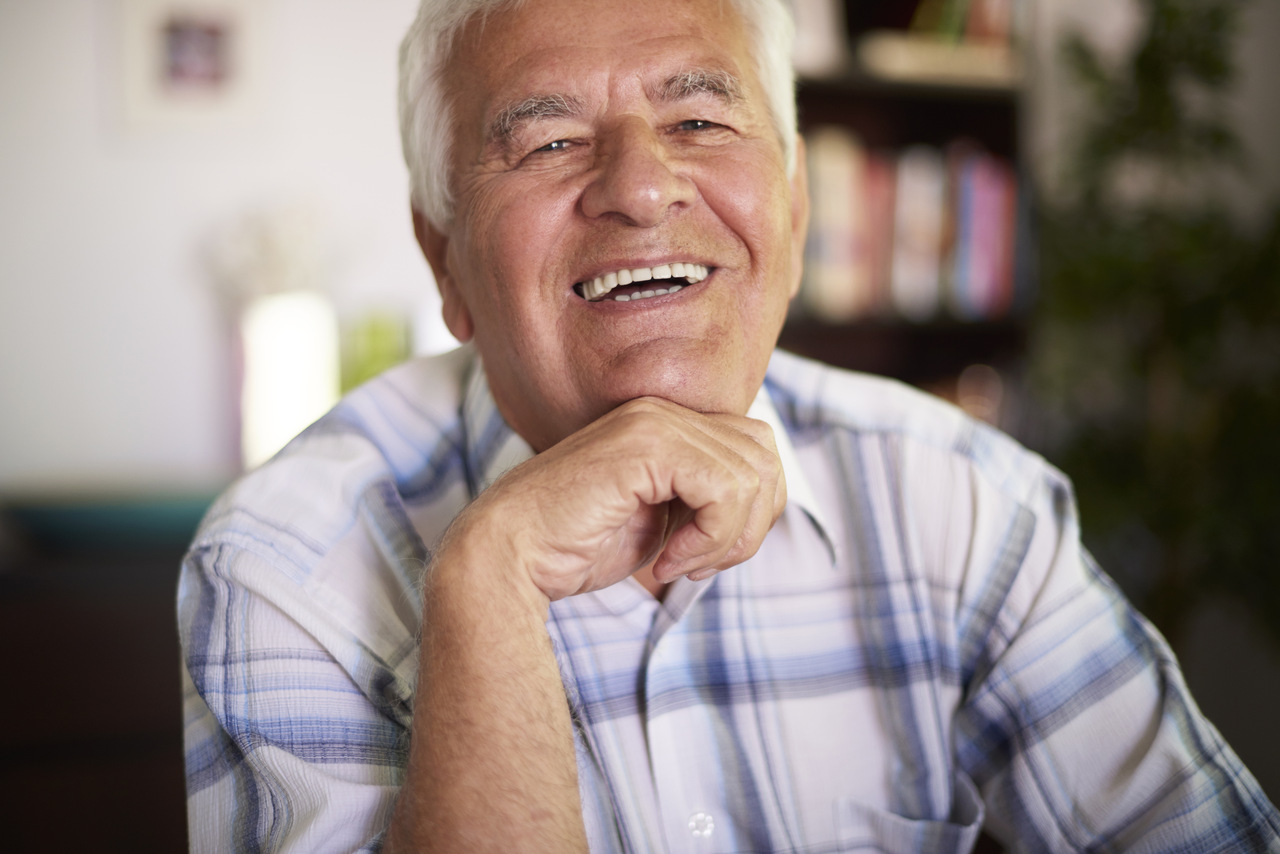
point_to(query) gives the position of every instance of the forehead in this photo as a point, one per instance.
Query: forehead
(575, 46)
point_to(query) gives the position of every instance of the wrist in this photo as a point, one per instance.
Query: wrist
(478, 566)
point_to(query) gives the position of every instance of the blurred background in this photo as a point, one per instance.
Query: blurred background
(1063, 216)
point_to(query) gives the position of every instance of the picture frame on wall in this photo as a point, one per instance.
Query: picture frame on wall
(194, 65)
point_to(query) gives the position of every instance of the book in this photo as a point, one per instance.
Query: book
(836, 284)
(881, 182)
(979, 269)
(908, 234)
(918, 233)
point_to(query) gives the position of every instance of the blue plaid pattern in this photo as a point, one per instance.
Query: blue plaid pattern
(921, 648)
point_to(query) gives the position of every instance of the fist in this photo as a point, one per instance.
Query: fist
(651, 485)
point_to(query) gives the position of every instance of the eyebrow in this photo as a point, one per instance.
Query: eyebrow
(508, 121)
(699, 81)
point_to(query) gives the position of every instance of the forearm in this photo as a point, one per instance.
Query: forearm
(492, 763)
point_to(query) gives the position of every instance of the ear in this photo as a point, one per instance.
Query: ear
(435, 246)
(799, 214)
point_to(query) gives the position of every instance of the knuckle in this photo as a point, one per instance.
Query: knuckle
(761, 432)
(639, 420)
(651, 405)
(758, 431)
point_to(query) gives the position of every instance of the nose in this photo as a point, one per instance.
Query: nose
(636, 178)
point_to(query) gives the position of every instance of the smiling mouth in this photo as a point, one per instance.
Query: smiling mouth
(641, 282)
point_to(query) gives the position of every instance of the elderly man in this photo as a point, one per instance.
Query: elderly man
(617, 576)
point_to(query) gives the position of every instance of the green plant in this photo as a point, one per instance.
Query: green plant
(1156, 346)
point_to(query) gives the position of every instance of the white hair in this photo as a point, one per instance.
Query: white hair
(426, 132)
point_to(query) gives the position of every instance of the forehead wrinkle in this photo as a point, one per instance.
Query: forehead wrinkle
(510, 118)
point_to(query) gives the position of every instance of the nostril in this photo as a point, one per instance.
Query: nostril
(635, 181)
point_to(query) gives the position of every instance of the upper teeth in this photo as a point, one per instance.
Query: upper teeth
(601, 285)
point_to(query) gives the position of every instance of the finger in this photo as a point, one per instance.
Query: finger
(768, 463)
(765, 458)
(760, 452)
(594, 498)
(716, 478)
(727, 526)
(720, 498)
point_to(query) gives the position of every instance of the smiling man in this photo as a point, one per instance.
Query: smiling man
(616, 575)
(611, 150)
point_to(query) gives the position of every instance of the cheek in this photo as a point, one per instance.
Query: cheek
(513, 250)
(519, 224)
(498, 253)
(757, 211)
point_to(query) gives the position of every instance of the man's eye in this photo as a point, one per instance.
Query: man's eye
(558, 145)
(696, 124)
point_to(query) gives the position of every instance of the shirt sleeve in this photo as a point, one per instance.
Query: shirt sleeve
(296, 726)
(1077, 724)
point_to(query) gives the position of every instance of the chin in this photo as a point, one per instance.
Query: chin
(693, 390)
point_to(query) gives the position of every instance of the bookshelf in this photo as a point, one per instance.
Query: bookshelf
(905, 87)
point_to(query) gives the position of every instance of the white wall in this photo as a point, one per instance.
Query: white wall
(116, 366)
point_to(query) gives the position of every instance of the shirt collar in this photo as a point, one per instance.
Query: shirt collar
(493, 448)
(800, 494)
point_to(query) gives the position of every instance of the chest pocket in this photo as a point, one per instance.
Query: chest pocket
(863, 828)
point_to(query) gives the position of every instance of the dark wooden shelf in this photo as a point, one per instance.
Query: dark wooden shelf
(921, 354)
(92, 717)
(855, 82)
(894, 115)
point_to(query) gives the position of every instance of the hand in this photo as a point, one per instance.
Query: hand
(650, 483)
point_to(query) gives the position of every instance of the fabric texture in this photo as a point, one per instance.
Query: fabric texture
(920, 648)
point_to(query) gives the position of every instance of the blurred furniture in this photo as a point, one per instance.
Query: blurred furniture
(890, 112)
(91, 722)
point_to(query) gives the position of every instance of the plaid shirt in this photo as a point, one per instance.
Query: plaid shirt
(920, 648)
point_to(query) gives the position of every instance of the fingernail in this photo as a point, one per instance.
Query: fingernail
(702, 574)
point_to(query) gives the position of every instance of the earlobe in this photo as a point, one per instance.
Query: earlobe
(435, 247)
(799, 214)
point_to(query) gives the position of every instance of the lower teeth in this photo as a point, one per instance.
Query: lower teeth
(657, 292)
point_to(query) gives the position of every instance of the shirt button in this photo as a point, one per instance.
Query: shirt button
(701, 824)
